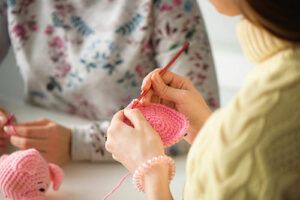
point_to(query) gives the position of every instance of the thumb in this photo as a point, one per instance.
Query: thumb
(135, 116)
(164, 91)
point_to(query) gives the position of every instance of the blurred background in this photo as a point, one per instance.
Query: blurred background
(231, 65)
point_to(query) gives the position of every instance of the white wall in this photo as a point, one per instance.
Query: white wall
(231, 65)
(11, 83)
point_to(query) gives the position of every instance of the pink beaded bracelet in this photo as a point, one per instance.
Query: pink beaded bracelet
(139, 174)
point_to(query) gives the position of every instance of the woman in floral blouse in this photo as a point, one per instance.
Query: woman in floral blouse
(89, 57)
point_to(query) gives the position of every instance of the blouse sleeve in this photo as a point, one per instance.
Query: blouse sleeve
(176, 22)
(88, 142)
(4, 37)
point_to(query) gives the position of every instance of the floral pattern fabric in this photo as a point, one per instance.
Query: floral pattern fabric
(89, 57)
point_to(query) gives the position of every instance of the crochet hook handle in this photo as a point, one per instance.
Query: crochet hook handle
(164, 70)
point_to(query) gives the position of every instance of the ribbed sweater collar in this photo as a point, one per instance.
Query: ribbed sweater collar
(257, 43)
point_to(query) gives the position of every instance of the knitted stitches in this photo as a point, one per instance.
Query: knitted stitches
(249, 149)
(25, 175)
(168, 123)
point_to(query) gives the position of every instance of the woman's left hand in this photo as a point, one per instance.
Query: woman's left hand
(129, 145)
(49, 138)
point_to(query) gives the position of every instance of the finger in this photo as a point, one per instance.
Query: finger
(173, 80)
(108, 145)
(26, 143)
(135, 116)
(3, 118)
(147, 80)
(164, 91)
(146, 84)
(155, 99)
(118, 117)
(38, 122)
(114, 157)
(167, 103)
(34, 132)
(147, 98)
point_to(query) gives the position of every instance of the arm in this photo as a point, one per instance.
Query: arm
(4, 37)
(174, 24)
(157, 184)
(78, 143)
(239, 152)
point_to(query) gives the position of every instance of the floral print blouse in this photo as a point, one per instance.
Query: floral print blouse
(89, 57)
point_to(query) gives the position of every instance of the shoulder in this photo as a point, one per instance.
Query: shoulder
(253, 137)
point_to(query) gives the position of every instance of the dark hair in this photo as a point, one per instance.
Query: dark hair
(279, 17)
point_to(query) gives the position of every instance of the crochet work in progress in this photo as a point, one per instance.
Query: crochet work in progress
(25, 175)
(167, 122)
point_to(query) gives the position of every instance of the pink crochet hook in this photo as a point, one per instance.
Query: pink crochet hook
(164, 70)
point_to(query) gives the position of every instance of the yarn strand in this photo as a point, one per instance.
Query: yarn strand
(117, 186)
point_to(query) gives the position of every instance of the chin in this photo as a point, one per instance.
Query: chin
(229, 13)
(226, 10)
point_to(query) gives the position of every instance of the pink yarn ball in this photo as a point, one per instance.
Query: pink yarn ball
(167, 122)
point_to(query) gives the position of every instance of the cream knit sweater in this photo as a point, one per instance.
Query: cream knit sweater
(250, 149)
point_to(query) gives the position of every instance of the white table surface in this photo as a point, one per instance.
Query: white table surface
(85, 180)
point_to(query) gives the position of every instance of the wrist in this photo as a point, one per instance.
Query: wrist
(197, 124)
(157, 183)
(153, 177)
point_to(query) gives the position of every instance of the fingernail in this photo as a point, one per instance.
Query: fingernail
(10, 130)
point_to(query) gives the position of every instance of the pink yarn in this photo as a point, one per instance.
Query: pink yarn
(170, 124)
(25, 175)
(117, 186)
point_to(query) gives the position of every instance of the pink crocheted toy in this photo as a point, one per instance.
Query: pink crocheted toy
(170, 124)
(25, 175)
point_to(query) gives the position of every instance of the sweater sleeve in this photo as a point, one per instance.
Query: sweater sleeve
(249, 149)
(4, 38)
(176, 22)
(88, 142)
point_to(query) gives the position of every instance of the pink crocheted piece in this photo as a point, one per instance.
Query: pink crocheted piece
(25, 175)
(170, 124)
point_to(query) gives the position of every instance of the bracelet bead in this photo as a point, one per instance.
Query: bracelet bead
(139, 174)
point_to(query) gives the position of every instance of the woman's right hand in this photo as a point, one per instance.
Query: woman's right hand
(179, 93)
(3, 138)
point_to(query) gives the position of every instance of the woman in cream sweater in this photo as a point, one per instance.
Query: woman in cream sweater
(249, 149)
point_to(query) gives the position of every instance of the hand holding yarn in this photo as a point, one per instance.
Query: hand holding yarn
(132, 145)
(139, 134)
(148, 128)
(25, 175)
(167, 122)
(178, 93)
